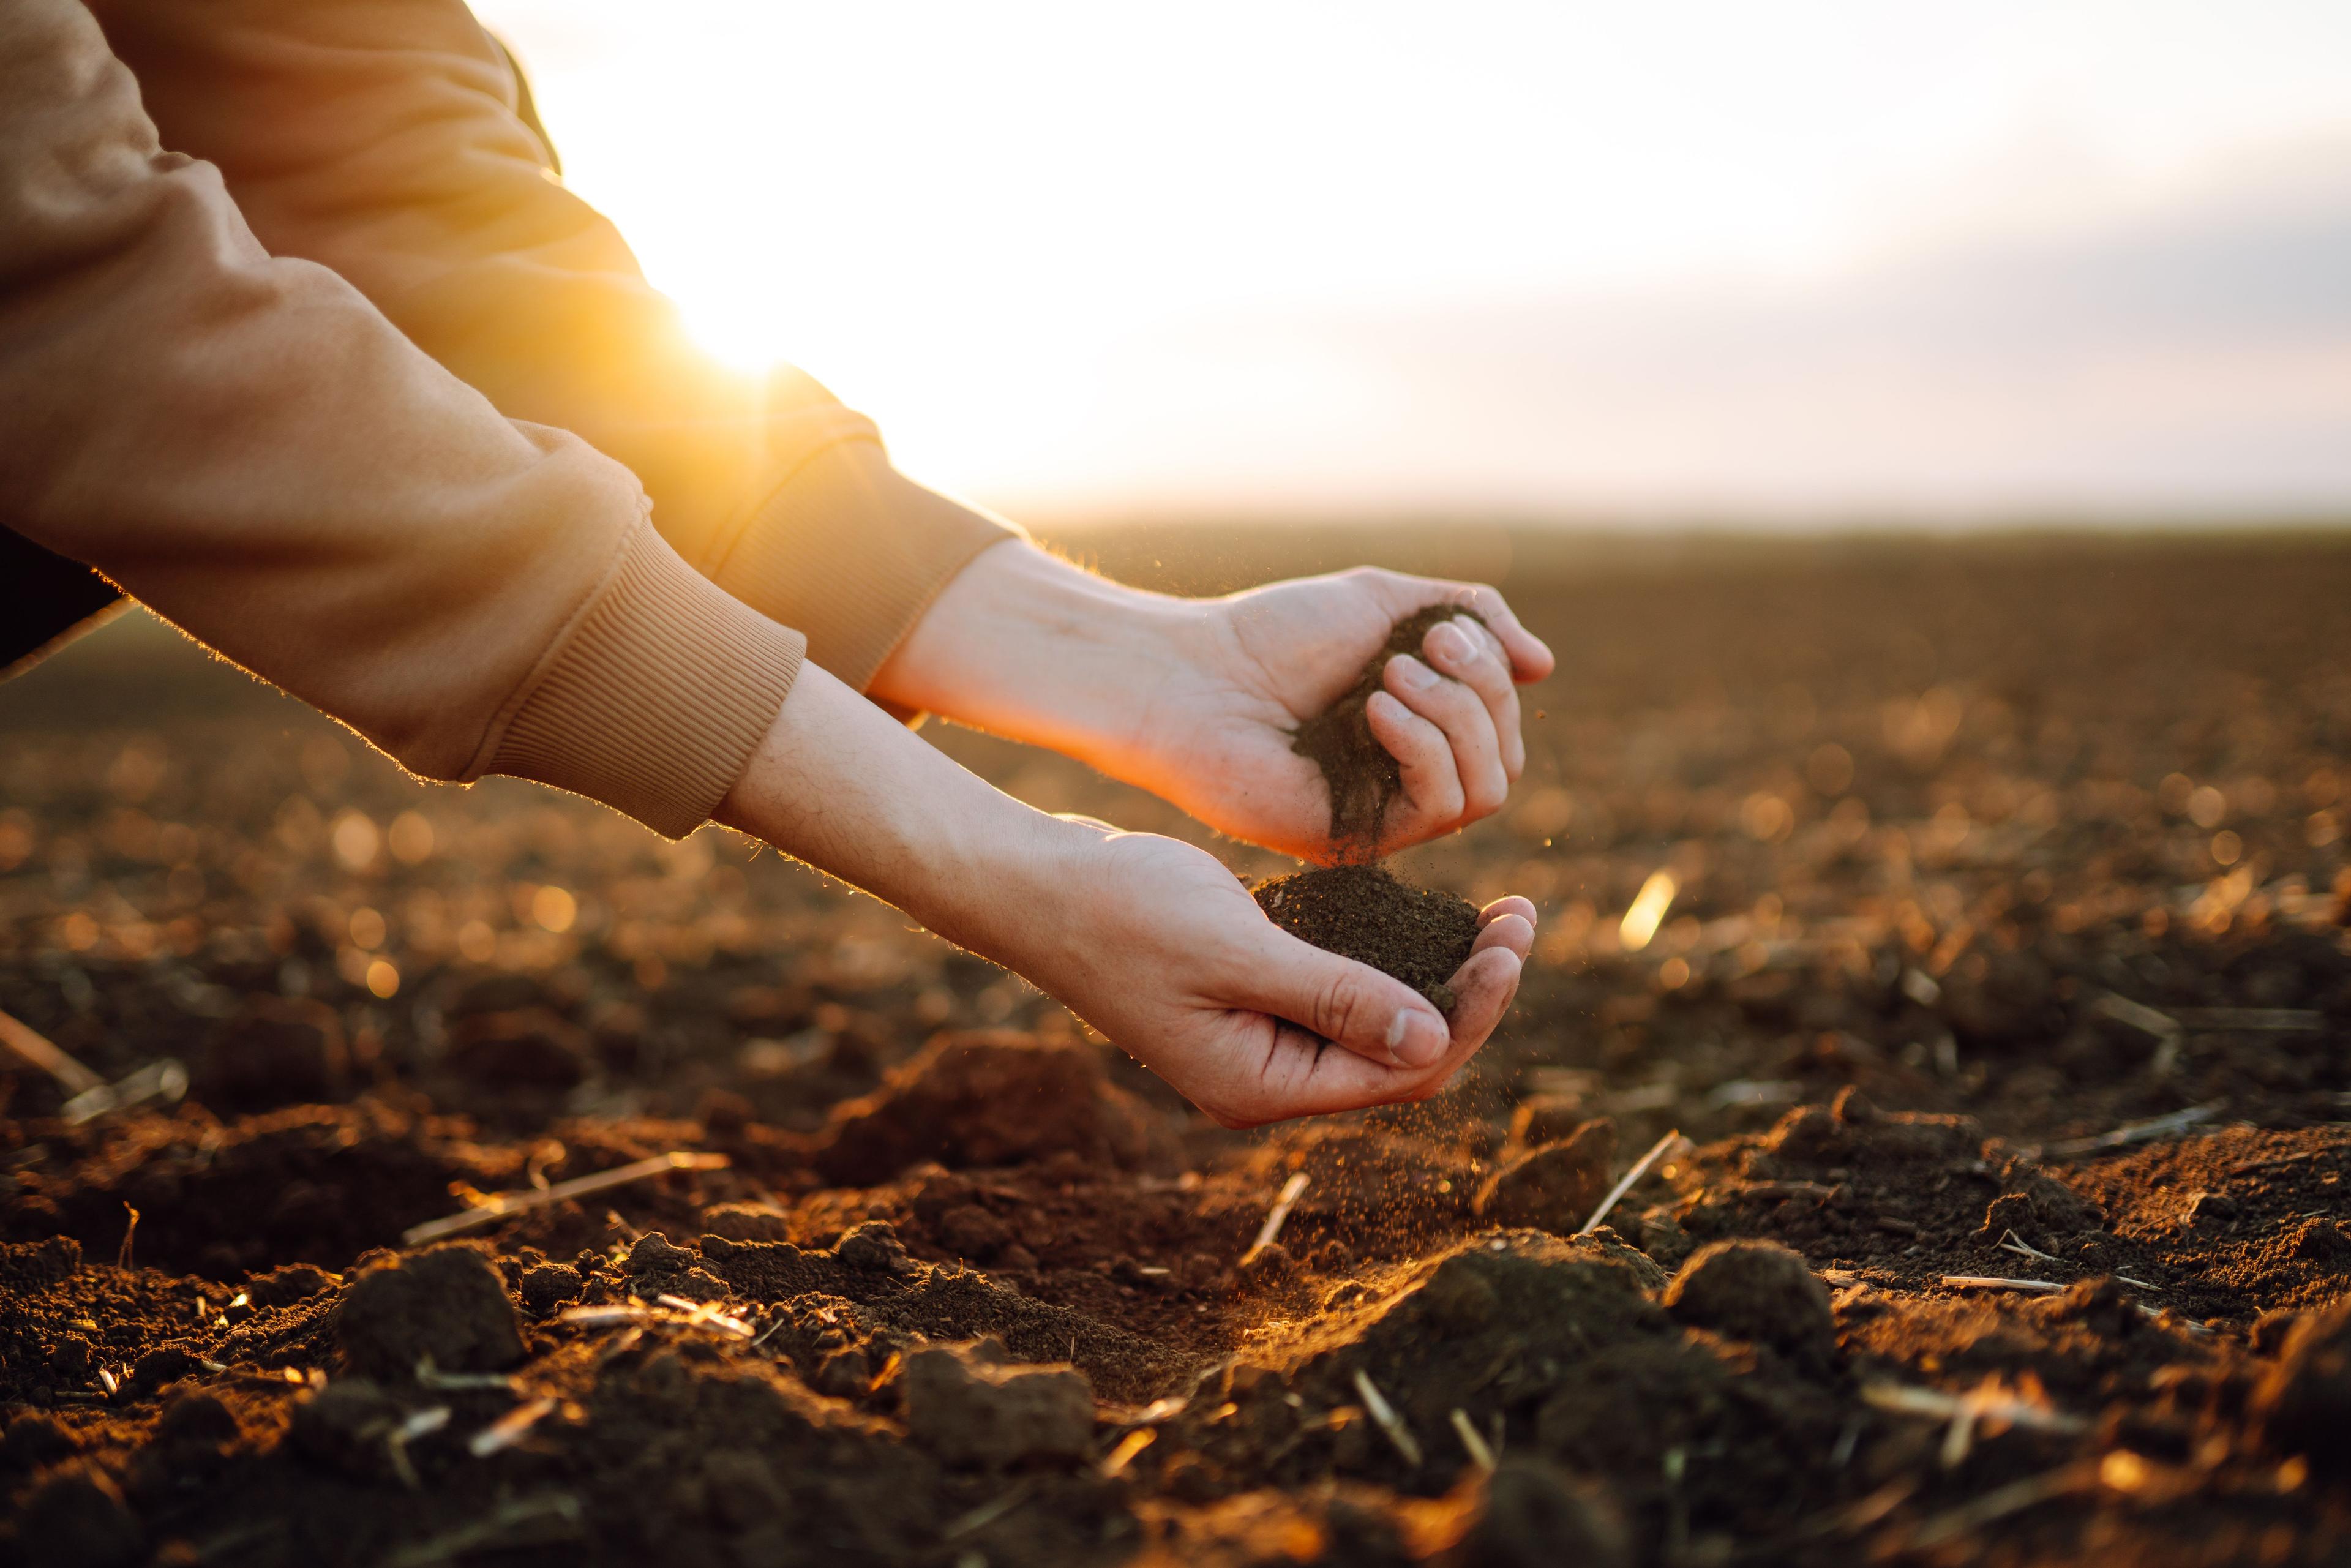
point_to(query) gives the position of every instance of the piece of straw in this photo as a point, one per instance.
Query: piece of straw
(1133, 1443)
(1480, 1454)
(1291, 1191)
(508, 1429)
(1998, 1503)
(2012, 1242)
(498, 1205)
(1384, 1416)
(1993, 1282)
(2139, 1132)
(1641, 1168)
(40, 1051)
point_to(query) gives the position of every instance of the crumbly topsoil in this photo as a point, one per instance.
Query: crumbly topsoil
(1357, 770)
(1419, 935)
(1887, 1018)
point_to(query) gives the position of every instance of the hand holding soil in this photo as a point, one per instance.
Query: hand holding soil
(1152, 940)
(1171, 957)
(1201, 701)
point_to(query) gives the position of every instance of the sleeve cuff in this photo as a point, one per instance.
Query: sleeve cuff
(851, 552)
(653, 698)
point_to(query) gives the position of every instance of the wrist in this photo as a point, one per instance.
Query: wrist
(1026, 646)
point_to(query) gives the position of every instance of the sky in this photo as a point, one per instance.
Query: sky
(1690, 259)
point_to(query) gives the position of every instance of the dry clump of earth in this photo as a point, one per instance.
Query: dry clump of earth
(2005, 943)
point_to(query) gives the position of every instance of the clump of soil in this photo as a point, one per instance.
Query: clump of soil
(1360, 775)
(1416, 934)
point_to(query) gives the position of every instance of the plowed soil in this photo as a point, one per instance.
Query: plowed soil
(2001, 1009)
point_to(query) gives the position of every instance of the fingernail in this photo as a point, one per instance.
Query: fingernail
(1449, 642)
(1413, 673)
(1415, 1040)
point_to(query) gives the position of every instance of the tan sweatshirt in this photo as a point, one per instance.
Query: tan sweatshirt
(245, 444)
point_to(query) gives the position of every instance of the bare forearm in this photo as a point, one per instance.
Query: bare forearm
(839, 784)
(1024, 644)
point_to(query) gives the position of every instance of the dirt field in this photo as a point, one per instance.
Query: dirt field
(2006, 942)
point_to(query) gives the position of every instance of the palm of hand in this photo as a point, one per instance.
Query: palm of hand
(1195, 969)
(1224, 725)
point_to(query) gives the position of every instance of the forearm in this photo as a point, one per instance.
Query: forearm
(839, 784)
(1025, 645)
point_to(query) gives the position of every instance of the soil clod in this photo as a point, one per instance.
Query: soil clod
(1418, 934)
(446, 1303)
(969, 1407)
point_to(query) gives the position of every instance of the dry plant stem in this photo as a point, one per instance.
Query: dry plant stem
(1384, 1416)
(40, 1051)
(1291, 1191)
(1480, 1454)
(2139, 1131)
(510, 1428)
(1641, 1168)
(500, 1205)
(1998, 1503)
(1133, 1443)
(1991, 1282)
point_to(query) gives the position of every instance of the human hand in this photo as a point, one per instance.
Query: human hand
(1218, 737)
(1196, 700)
(1154, 944)
(1150, 940)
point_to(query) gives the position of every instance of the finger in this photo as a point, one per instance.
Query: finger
(1513, 904)
(1297, 1075)
(1530, 658)
(1515, 931)
(1432, 783)
(1376, 1016)
(1483, 990)
(1461, 713)
(1471, 655)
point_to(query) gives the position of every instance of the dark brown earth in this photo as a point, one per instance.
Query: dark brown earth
(1358, 775)
(1421, 936)
(2006, 944)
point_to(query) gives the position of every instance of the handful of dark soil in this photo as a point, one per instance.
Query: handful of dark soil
(1360, 912)
(1357, 770)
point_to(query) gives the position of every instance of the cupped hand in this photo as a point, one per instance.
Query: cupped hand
(1154, 944)
(1214, 738)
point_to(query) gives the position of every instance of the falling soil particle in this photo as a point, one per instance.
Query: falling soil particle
(1357, 770)
(1418, 934)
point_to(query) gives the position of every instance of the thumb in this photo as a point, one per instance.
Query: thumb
(1353, 1005)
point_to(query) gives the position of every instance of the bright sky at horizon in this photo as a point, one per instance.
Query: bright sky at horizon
(1080, 256)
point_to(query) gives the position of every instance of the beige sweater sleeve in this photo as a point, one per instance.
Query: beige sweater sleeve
(249, 447)
(382, 138)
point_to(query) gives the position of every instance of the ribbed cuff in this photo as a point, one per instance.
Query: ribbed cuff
(851, 552)
(654, 696)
